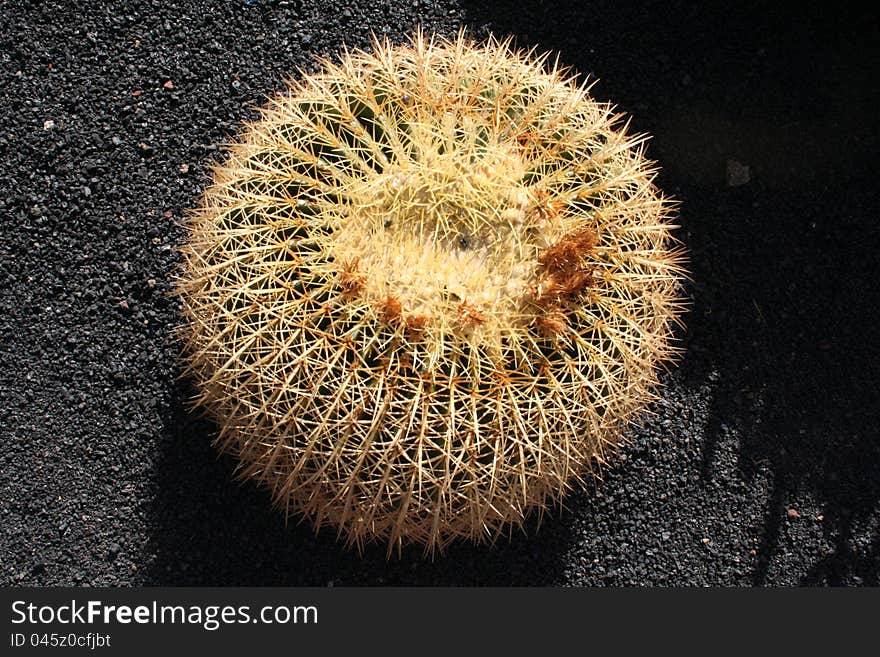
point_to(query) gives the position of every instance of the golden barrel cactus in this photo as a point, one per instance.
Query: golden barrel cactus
(425, 291)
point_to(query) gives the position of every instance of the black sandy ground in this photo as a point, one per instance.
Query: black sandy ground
(762, 465)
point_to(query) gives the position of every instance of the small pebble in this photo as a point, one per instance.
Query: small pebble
(737, 173)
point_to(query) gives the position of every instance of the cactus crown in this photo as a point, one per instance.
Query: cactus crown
(427, 288)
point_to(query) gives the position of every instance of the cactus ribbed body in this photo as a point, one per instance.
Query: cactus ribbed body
(426, 290)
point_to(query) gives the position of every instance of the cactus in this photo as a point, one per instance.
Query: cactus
(426, 290)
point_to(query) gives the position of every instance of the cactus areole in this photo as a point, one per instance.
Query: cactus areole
(426, 290)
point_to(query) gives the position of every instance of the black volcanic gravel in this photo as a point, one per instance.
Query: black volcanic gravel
(762, 463)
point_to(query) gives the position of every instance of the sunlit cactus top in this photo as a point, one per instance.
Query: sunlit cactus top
(427, 288)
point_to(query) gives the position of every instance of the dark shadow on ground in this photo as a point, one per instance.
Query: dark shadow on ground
(785, 316)
(785, 304)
